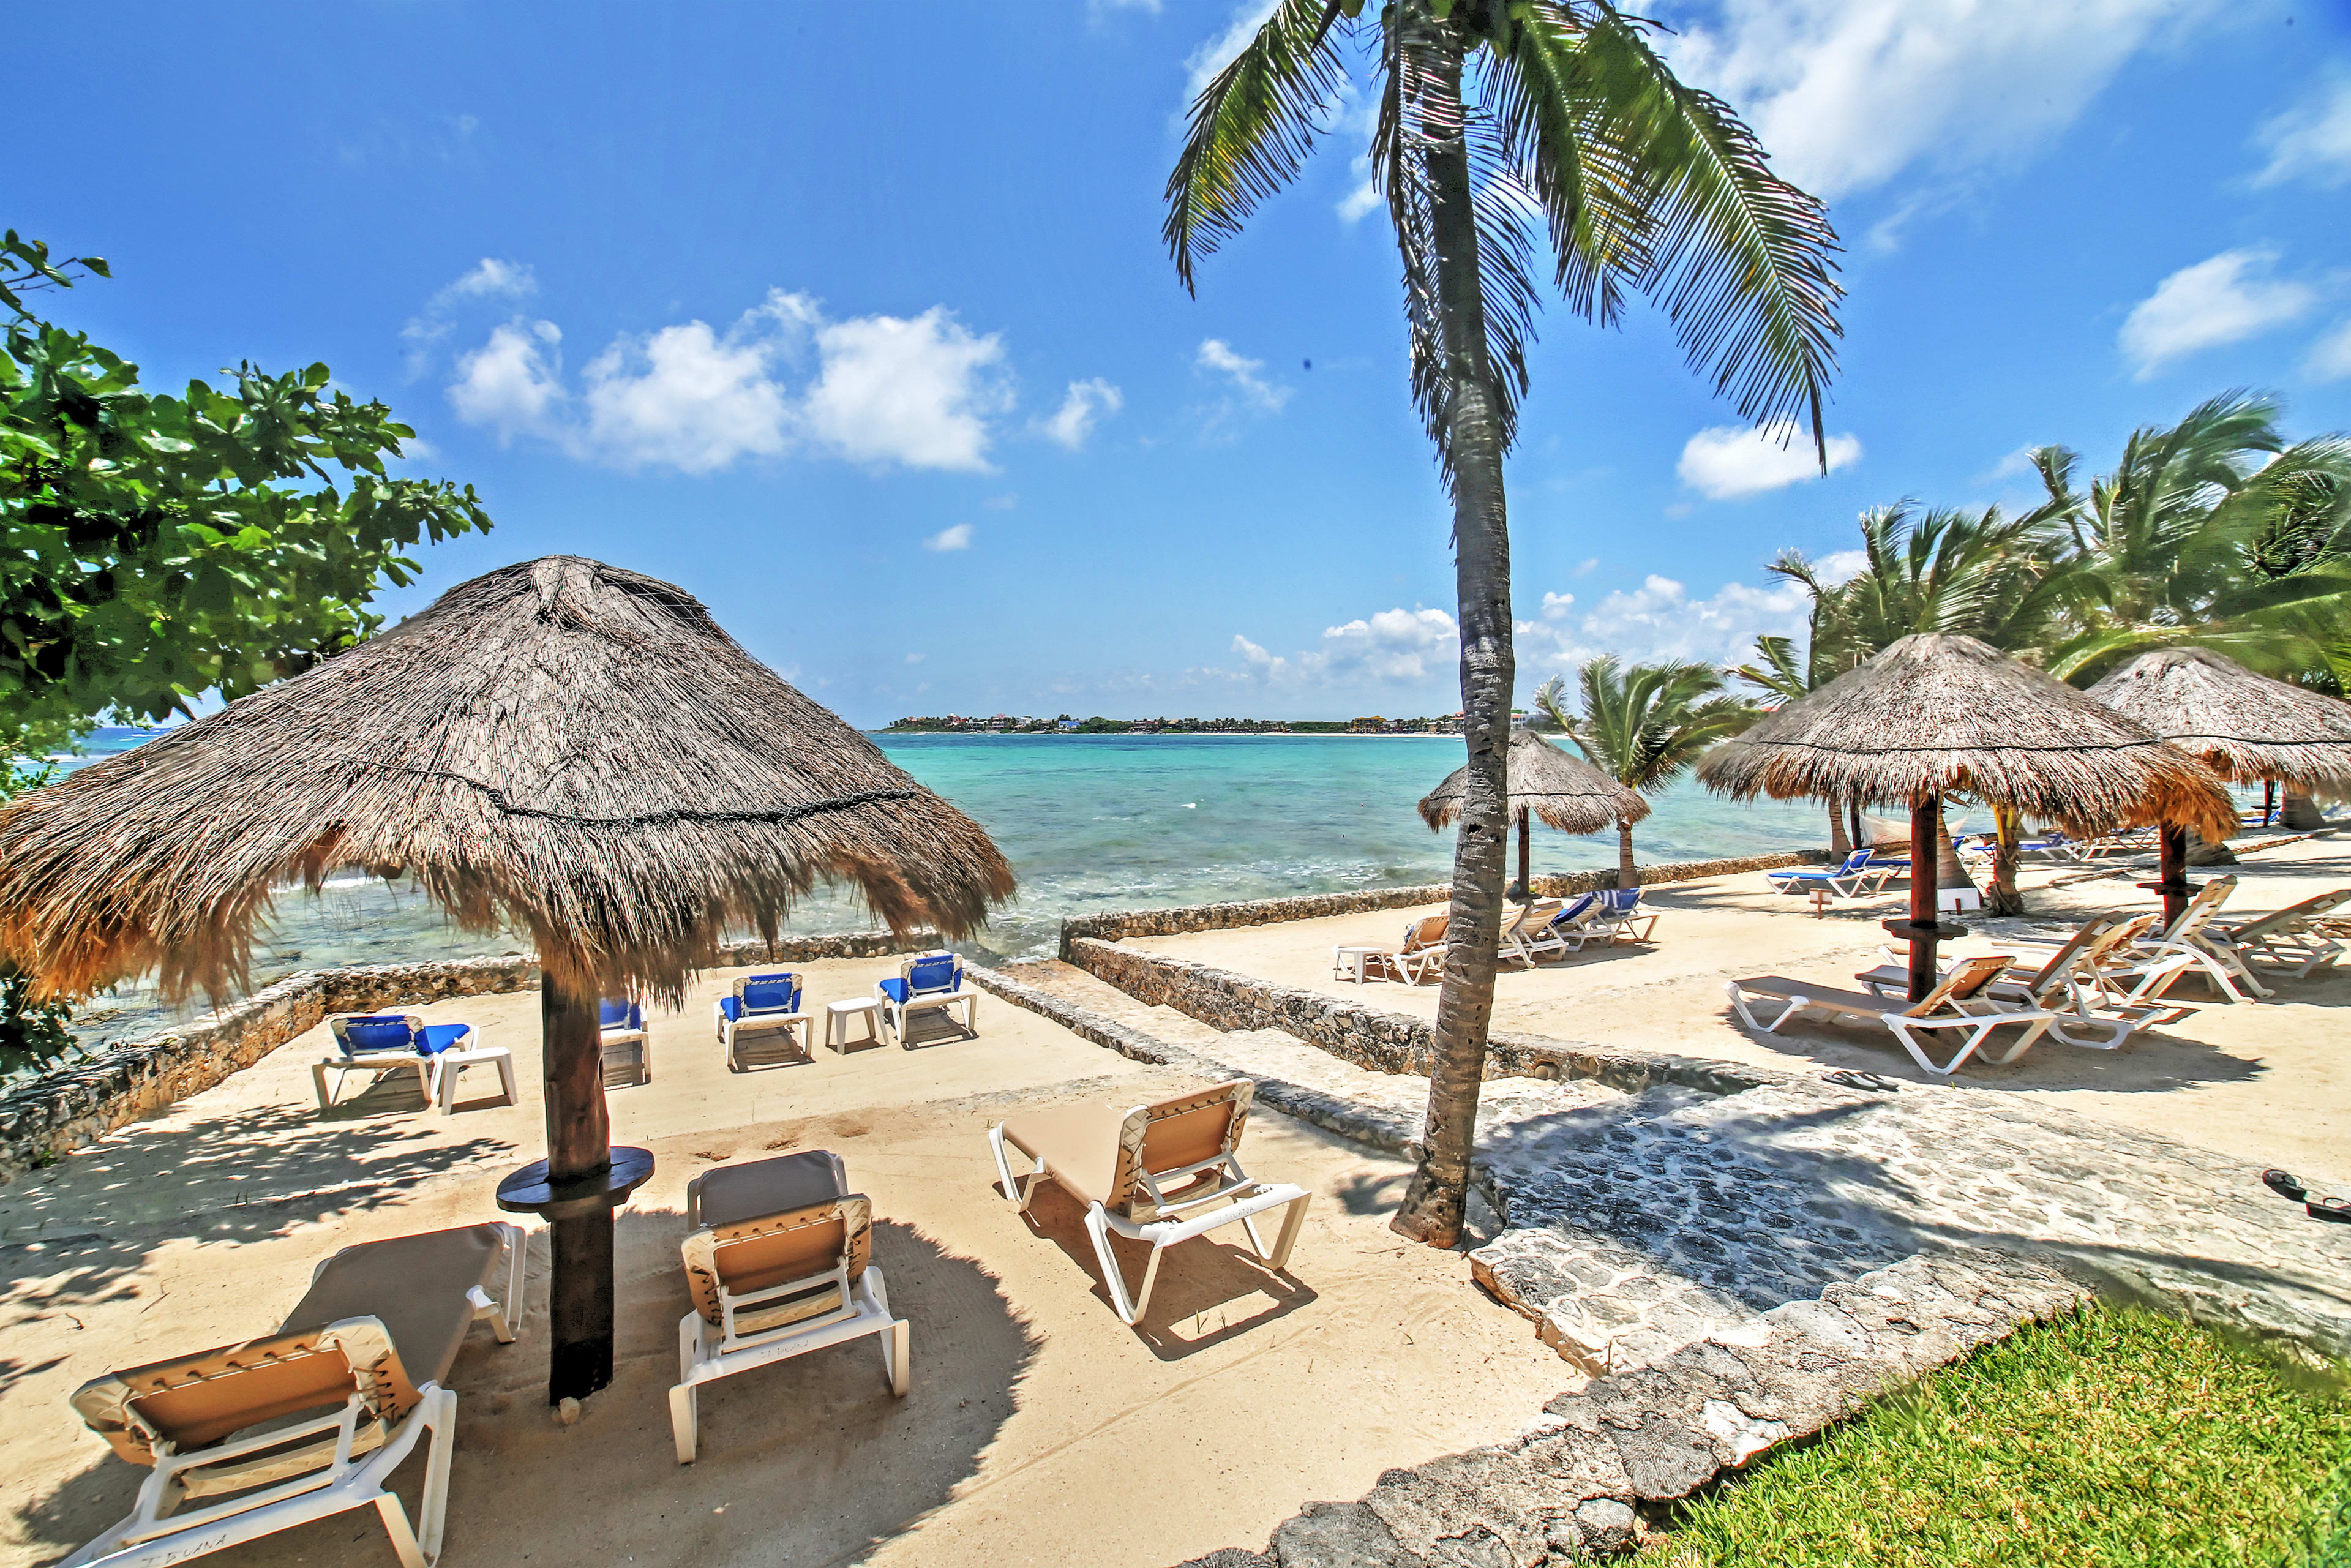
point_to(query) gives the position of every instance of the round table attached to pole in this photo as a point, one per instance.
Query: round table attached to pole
(576, 1189)
(2171, 871)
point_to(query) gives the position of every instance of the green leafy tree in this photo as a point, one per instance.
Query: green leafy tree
(1503, 127)
(32, 1034)
(1782, 674)
(154, 548)
(1645, 725)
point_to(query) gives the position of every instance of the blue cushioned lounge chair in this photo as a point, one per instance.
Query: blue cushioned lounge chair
(382, 1043)
(932, 980)
(762, 1004)
(621, 1023)
(1621, 918)
(1859, 877)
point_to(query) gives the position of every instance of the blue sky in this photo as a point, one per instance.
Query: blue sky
(864, 334)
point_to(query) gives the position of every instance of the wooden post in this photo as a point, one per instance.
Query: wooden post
(2171, 872)
(1925, 873)
(579, 1145)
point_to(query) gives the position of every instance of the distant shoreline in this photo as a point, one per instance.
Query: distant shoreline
(1168, 735)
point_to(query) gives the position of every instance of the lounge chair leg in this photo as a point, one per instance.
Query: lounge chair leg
(896, 1358)
(433, 1508)
(1292, 1222)
(1113, 1280)
(682, 1428)
(403, 1539)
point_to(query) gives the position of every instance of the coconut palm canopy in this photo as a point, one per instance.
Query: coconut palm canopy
(1566, 792)
(559, 745)
(2245, 726)
(1937, 713)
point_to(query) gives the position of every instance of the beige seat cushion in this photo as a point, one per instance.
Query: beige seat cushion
(415, 1285)
(757, 1189)
(1077, 1143)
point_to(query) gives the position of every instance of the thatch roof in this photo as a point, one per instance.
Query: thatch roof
(2245, 726)
(1949, 715)
(559, 745)
(1565, 791)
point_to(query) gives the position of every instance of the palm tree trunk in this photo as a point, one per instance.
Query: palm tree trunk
(1432, 1207)
(1839, 845)
(1627, 874)
(2008, 831)
(2300, 814)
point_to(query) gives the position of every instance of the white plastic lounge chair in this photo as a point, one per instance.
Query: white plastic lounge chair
(1423, 952)
(627, 1048)
(926, 982)
(762, 1004)
(1858, 877)
(1162, 1173)
(2297, 938)
(2082, 982)
(382, 1043)
(778, 1265)
(1525, 938)
(2190, 936)
(1958, 1003)
(1619, 917)
(362, 1362)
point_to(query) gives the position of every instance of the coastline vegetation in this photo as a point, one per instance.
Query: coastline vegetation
(2106, 1438)
(1008, 724)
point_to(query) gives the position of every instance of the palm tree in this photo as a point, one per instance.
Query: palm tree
(1783, 675)
(1644, 726)
(1495, 115)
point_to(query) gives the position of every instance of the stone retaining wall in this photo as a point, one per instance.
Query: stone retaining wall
(1385, 1041)
(1568, 1489)
(90, 1097)
(1114, 924)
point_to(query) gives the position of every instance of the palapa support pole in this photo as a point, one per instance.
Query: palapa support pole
(579, 1147)
(1926, 874)
(2171, 870)
(1525, 889)
(577, 1188)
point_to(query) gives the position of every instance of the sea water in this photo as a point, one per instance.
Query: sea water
(1089, 823)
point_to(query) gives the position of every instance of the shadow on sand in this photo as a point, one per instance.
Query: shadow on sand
(808, 1461)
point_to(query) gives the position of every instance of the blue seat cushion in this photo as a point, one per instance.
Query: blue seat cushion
(731, 1009)
(939, 973)
(771, 994)
(611, 1014)
(435, 1037)
(380, 1033)
(895, 990)
(1573, 910)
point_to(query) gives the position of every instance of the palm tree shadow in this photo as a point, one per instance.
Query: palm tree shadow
(1200, 1282)
(810, 1459)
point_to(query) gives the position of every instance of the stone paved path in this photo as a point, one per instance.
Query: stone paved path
(1638, 1224)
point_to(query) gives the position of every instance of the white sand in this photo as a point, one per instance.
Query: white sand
(1040, 1427)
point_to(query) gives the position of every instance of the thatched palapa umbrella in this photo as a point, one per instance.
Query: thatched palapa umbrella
(2247, 728)
(1934, 715)
(1567, 792)
(558, 745)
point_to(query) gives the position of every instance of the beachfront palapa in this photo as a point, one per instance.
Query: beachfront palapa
(1937, 713)
(1567, 792)
(558, 747)
(2247, 729)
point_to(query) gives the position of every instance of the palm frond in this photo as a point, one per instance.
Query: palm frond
(1252, 129)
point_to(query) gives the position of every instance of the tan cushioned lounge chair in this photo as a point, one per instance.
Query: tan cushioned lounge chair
(2085, 982)
(778, 1265)
(1162, 1173)
(365, 1355)
(1960, 1002)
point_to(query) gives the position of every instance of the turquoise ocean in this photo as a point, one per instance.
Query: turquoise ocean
(1088, 823)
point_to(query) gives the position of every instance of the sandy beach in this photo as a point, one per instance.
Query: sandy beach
(2269, 1082)
(1032, 1405)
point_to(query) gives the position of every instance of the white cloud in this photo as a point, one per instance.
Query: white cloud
(1215, 354)
(687, 398)
(1366, 196)
(2330, 357)
(1087, 404)
(911, 391)
(488, 278)
(1201, 67)
(915, 658)
(949, 538)
(1394, 647)
(513, 382)
(918, 392)
(1657, 622)
(1726, 462)
(2312, 140)
(2223, 300)
(1582, 569)
(1848, 94)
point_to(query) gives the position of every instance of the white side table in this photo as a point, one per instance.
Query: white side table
(1354, 963)
(836, 1023)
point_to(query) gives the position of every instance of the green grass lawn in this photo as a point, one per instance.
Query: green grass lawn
(2107, 1437)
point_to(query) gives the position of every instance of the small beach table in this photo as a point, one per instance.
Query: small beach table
(1354, 963)
(836, 1023)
